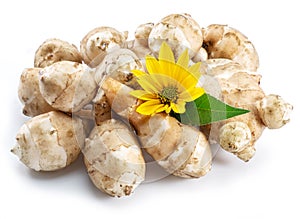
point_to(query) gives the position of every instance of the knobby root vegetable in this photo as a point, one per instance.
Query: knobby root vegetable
(222, 41)
(201, 55)
(274, 111)
(101, 107)
(142, 33)
(220, 68)
(114, 159)
(179, 149)
(118, 64)
(97, 96)
(237, 132)
(95, 45)
(30, 95)
(67, 86)
(192, 157)
(240, 88)
(180, 31)
(55, 50)
(50, 141)
(139, 50)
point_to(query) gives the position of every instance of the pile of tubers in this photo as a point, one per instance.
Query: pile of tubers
(79, 101)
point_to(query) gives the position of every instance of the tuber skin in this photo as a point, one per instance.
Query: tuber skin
(67, 86)
(274, 111)
(30, 95)
(237, 132)
(192, 157)
(96, 43)
(118, 64)
(161, 135)
(142, 33)
(70, 100)
(114, 159)
(101, 108)
(50, 141)
(201, 55)
(241, 89)
(222, 41)
(139, 50)
(55, 50)
(181, 32)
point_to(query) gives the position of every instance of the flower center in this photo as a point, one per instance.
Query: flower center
(168, 94)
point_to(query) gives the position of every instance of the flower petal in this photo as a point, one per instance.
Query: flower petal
(149, 107)
(162, 108)
(195, 69)
(165, 53)
(178, 107)
(174, 71)
(152, 65)
(191, 94)
(183, 59)
(137, 73)
(196, 92)
(189, 81)
(159, 81)
(168, 108)
(149, 84)
(143, 95)
(167, 68)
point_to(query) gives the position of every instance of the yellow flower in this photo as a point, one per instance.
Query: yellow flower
(167, 85)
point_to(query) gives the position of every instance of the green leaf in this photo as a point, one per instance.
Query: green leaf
(207, 109)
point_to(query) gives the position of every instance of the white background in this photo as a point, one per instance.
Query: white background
(267, 186)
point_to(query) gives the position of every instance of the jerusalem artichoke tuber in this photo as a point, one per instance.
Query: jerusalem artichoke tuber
(67, 86)
(241, 89)
(181, 32)
(50, 141)
(60, 86)
(96, 43)
(113, 158)
(222, 41)
(30, 95)
(162, 136)
(118, 64)
(55, 50)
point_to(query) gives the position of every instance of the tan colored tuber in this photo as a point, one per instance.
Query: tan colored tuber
(162, 136)
(139, 50)
(70, 100)
(241, 89)
(237, 132)
(55, 50)
(96, 43)
(50, 141)
(222, 41)
(140, 44)
(101, 108)
(118, 64)
(67, 86)
(114, 159)
(274, 111)
(142, 33)
(180, 31)
(30, 95)
(192, 157)
(201, 55)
